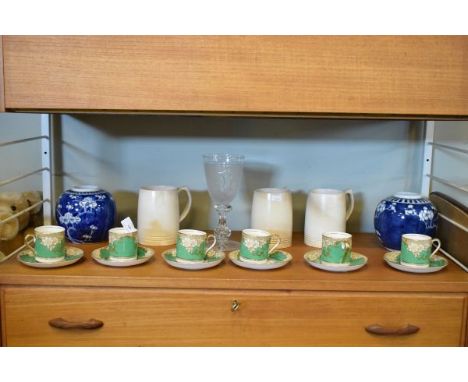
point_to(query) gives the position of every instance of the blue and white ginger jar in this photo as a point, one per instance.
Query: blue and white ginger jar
(404, 212)
(86, 213)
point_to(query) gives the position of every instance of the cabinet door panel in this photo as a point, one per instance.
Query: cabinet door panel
(325, 75)
(170, 317)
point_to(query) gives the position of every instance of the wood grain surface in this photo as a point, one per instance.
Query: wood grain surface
(2, 318)
(204, 318)
(400, 76)
(298, 275)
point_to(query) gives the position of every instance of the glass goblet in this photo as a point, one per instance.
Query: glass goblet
(223, 174)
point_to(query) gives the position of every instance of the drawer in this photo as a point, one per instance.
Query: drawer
(139, 317)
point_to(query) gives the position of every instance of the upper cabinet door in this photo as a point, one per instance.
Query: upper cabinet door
(396, 76)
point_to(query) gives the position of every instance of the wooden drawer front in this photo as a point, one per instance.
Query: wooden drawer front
(163, 317)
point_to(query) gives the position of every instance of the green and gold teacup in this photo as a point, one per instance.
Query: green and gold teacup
(255, 245)
(416, 250)
(123, 245)
(191, 245)
(336, 248)
(49, 243)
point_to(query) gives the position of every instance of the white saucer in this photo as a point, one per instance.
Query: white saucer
(277, 260)
(72, 255)
(313, 259)
(212, 260)
(393, 259)
(144, 254)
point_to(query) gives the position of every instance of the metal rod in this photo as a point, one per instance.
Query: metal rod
(453, 222)
(428, 152)
(47, 161)
(447, 183)
(2, 144)
(454, 148)
(23, 211)
(13, 253)
(16, 178)
(461, 265)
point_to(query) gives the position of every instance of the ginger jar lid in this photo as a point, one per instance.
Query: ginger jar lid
(85, 188)
(407, 195)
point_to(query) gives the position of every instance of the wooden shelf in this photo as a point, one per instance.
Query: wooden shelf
(298, 275)
(421, 77)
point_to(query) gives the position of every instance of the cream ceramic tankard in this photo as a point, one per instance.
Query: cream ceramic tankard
(326, 212)
(158, 214)
(272, 211)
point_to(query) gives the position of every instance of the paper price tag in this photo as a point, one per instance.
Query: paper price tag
(127, 224)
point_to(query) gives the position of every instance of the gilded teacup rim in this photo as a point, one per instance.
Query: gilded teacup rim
(337, 235)
(190, 231)
(416, 236)
(256, 232)
(49, 229)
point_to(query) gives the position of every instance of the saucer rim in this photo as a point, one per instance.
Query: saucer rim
(261, 266)
(56, 264)
(341, 268)
(194, 266)
(112, 263)
(409, 269)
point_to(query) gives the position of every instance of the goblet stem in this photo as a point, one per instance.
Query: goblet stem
(222, 231)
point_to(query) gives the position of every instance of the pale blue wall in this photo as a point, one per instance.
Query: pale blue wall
(122, 152)
(20, 158)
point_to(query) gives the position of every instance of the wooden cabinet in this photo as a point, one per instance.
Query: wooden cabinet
(227, 318)
(392, 76)
(424, 77)
(155, 304)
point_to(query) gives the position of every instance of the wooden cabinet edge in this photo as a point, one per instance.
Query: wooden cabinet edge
(248, 114)
(2, 317)
(464, 334)
(2, 78)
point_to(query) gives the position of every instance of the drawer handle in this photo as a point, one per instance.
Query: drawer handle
(383, 331)
(235, 305)
(61, 323)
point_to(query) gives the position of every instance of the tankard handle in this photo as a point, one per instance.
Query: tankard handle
(350, 208)
(188, 205)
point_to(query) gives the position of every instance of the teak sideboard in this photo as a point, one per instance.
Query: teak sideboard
(405, 77)
(88, 304)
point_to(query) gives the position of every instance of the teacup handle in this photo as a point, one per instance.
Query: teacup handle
(350, 209)
(438, 246)
(212, 244)
(188, 205)
(272, 249)
(28, 242)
